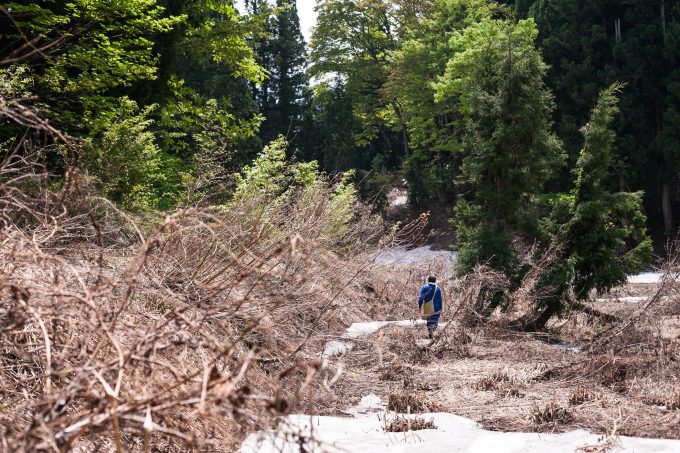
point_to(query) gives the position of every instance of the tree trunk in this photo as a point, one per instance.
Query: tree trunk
(404, 134)
(663, 19)
(666, 207)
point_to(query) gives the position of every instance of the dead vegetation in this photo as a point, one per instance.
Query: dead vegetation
(401, 424)
(551, 414)
(580, 395)
(183, 338)
(206, 328)
(492, 382)
(509, 392)
(409, 402)
(609, 374)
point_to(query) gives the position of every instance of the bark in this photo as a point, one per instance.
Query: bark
(666, 207)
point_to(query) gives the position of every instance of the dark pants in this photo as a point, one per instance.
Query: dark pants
(432, 322)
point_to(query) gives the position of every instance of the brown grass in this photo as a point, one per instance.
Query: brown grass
(492, 381)
(401, 424)
(409, 402)
(183, 338)
(550, 414)
(580, 395)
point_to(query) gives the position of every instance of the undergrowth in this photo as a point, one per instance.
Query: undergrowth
(180, 338)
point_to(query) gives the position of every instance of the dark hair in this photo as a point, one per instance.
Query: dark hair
(431, 279)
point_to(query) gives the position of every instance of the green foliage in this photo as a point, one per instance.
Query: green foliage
(349, 51)
(15, 82)
(508, 151)
(342, 202)
(276, 181)
(586, 53)
(600, 235)
(96, 62)
(189, 125)
(607, 230)
(218, 32)
(268, 175)
(93, 47)
(284, 96)
(482, 242)
(422, 56)
(122, 153)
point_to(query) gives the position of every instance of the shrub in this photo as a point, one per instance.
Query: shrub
(122, 153)
(302, 185)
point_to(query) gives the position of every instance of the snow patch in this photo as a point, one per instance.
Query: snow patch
(400, 200)
(364, 433)
(369, 403)
(366, 328)
(359, 329)
(334, 348)
(627, 299)
(645, 277)
(567, 347)
(402, 257)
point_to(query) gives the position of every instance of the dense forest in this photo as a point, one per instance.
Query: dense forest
(541, 122)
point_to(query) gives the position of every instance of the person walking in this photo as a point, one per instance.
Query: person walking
(431, 304)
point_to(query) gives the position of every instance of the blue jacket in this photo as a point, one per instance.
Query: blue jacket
(426, 295)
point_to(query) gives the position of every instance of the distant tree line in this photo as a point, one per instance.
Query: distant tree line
(540, 121)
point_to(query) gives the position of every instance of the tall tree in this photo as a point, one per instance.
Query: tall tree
(508, 150)
(599, 235)
(593, 44)
(351, 43)
(433, 138)
(284, 96)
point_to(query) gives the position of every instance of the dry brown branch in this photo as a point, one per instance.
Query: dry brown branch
(182, 339)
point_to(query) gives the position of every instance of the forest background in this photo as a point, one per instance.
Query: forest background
(478, 108)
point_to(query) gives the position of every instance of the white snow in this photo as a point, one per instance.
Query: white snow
(567, 347)
(334, 348)
(358, 329)
(626, 299)
(363, 433)
(368, 404)
(400, 200)
(366, 328)
(645, 277)
(402, 257)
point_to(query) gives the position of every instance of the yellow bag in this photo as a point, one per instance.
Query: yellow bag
(428, 308)
(428, 305)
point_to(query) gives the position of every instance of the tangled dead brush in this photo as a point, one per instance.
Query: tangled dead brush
(476, 293)
(551, 414)
(401, 424)
(182, 341)
(409, 402)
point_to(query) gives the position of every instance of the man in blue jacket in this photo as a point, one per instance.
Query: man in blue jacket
(430, 304)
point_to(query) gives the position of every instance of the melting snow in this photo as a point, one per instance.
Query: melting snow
(401, 257)
(363, 433)
(645, 277)
(335, 348)
(627, 299)
(366, 328)
(567, 347)
(400, 200)
(363, 328)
